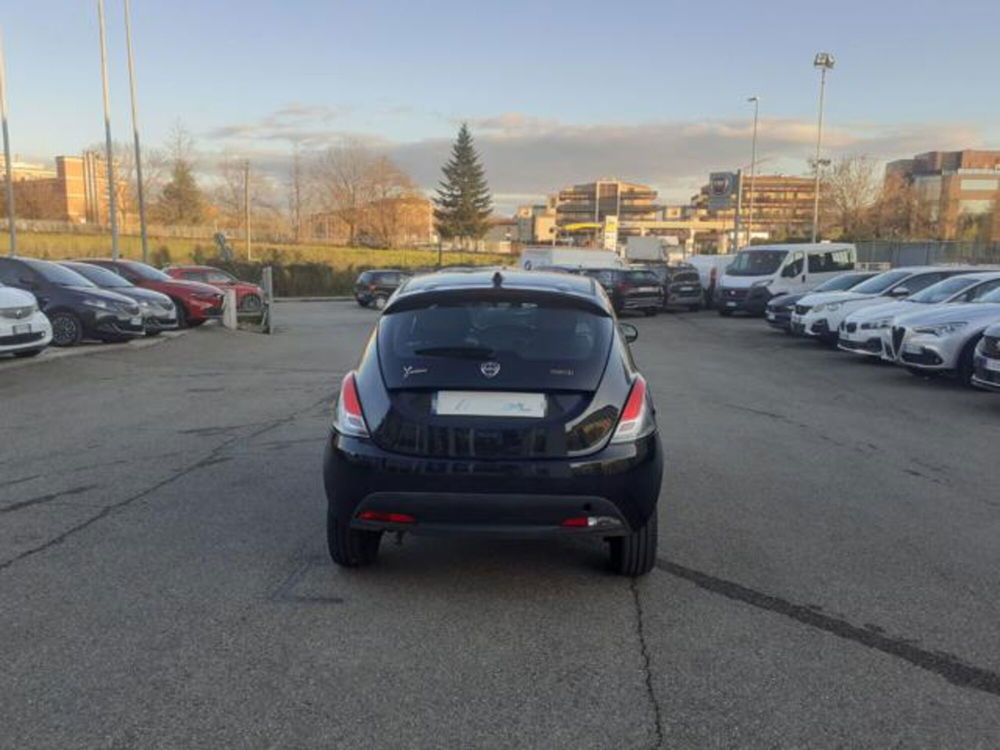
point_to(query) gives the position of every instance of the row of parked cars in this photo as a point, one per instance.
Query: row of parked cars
(931, 320)
(63, 303)
(644, 288)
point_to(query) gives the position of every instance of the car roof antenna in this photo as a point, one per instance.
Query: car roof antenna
(497, 279)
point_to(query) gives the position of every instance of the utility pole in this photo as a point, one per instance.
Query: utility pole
(140, 188)
(753, 168)
(109, 167)
(824, 61)
(246, 204)
(8, 164)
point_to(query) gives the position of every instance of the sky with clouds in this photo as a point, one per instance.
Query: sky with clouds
(555, 92)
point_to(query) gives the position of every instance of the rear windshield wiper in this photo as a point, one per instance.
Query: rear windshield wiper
(463, 352)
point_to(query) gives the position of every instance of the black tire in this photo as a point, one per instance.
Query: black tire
(67, 330)
(694, 308)
(635, 554)
(251, 303)
(724, 312)
(25, 353)
(154, 333)
(966, 363)
(362, 303)
(650, 311)
(350, 548)
(196, 323)
(182, 315)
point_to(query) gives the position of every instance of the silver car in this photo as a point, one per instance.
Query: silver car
(944, 340)
(986, 362)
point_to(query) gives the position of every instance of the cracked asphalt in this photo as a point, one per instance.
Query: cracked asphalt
(828, 573)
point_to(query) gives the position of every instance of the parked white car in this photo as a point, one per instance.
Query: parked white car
(24, 329)
(820, 315)
(986, 361)
(868, 331)
(944, 340)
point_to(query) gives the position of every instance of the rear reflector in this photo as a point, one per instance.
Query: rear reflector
(590, 521)
(575, 521)
(378, 515)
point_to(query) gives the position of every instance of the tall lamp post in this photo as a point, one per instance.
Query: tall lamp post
(109, 167)
(8, 164)
(139, 187)
(824, 61)
(753, 167)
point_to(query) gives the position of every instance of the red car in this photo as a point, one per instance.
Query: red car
(195, 302)
(249, 297)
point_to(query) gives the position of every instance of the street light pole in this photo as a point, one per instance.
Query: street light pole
(246, 204)
(109, 167)
(8, 164)
(824, 61)
(140, 188)
(753, 168)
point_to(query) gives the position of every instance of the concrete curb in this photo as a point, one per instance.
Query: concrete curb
(52, 354)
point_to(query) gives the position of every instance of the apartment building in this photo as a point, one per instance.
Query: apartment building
(75, 191)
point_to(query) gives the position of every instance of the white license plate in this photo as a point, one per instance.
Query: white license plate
(137, 321)
(771, 316)
(730, 304)
(912, 348)
(993, 364)
(489, 404)
(649, 289)
(23, 328)
(687, 288)
(796, 318)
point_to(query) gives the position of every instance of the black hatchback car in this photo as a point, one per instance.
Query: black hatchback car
(630, 289)
(77, 308)
(158, 311)
(503, 403)
(373, 288)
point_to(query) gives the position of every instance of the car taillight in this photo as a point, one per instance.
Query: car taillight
(384, 517)
(371, 287)
(350, 418)
(634, 421)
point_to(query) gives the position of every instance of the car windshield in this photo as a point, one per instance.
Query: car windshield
(100, 276)
(878, 284)
(146, 272)
(537, 345)
(58, 275)
(840, 283)
(942, 290)
(756, 262)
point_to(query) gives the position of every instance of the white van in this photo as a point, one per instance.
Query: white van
(542, 256)
(761, 272)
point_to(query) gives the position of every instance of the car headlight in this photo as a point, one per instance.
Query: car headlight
(97, 302)
(876, 324)
(942, 329)
(827, 306)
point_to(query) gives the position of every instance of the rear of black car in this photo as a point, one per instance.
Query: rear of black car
(508, 412)
(632, 290)
(373, 288)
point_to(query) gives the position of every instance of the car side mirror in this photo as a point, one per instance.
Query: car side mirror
(900, 291)
(629, 331)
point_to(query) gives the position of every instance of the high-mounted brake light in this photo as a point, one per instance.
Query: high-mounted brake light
(350, 418)
(634, 417)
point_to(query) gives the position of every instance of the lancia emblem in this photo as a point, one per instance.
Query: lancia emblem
(490, 369)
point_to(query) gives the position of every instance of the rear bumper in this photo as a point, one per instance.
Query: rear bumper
(643, 302)
(520, 498)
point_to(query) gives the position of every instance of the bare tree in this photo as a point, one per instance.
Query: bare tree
(230, 195)
(299, 194)
(345, 189)
(850, 193)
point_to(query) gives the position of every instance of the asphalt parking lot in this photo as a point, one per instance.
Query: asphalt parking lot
(828, 575)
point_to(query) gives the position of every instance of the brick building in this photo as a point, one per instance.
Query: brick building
(75, 191)
(956, 191)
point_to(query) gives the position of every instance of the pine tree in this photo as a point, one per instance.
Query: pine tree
(463, 202)
(181, 201)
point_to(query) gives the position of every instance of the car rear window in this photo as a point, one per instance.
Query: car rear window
(641, 277)
(538, 346)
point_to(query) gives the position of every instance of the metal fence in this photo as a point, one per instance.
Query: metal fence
(932, 252)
